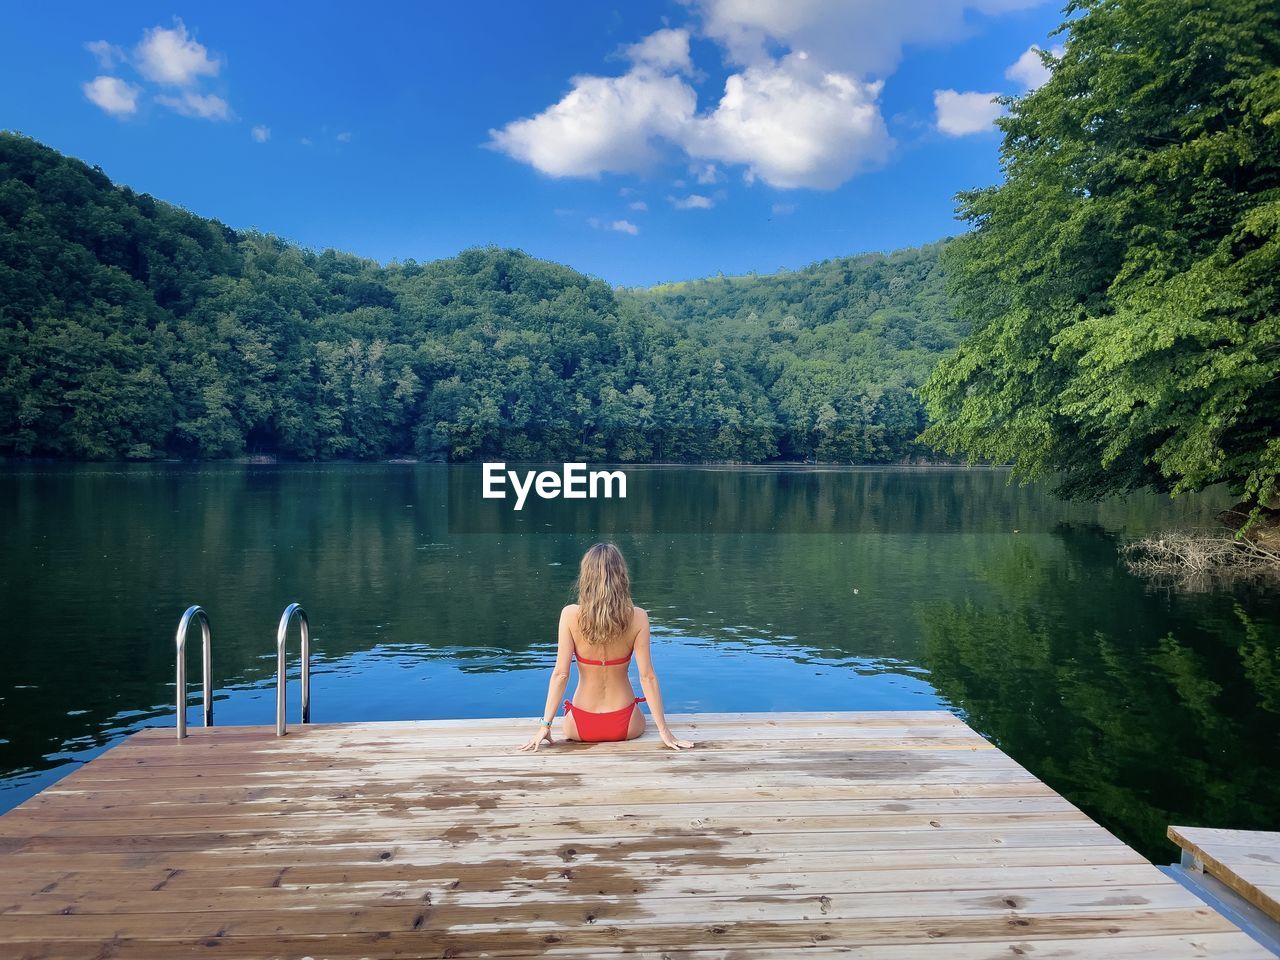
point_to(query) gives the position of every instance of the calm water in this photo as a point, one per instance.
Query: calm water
(1144, 706)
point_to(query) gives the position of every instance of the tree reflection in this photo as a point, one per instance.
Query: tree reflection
(1142, 709)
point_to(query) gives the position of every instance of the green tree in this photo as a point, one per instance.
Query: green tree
(1122, 281)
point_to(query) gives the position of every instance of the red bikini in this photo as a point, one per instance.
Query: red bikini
(602, 727)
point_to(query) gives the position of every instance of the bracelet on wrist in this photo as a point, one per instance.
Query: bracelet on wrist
(545, 723)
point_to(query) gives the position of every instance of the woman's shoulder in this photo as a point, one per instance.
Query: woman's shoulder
(639, 624)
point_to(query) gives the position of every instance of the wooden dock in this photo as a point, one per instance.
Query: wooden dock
(891, 836)
(1246, 861)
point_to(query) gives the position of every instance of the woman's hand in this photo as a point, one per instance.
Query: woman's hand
(544, 733)
(672, 741)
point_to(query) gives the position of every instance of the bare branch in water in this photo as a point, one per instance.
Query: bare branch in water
(1199, 561)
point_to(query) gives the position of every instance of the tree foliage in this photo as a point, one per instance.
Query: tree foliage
(839, 348)
(130, 328)
(1122, 282)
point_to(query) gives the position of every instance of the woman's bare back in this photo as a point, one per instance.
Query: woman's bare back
(602, 688)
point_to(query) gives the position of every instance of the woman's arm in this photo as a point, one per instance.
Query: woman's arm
(559, 680)
(649, 683)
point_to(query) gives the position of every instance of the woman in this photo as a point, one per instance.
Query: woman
(606, 626)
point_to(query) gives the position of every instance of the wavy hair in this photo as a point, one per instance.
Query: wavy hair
(604, 594)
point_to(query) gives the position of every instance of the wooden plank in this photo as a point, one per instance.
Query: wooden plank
(281, 844)
(65, 808)
(88, 890)
(748, 726)
(570, 824)
(1242, 859)
(917, 737)
(566, 758)
(179, 758)
(634, 751)
(601, 939)
(516, 793)
(259, 913)
(1263, 840)
(1122, 946)
(889, 781)
(374, 734)
(1219, 946)
(843, 764)
(1245, 854)
(816, 718)
(406, 863)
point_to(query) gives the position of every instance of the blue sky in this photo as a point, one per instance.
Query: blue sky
(639, 142)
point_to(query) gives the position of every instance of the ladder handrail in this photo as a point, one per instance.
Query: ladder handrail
(282, 633)
(180, 678)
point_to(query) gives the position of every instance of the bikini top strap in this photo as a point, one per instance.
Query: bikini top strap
(601, 663)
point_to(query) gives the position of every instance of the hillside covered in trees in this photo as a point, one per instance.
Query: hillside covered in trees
(130, 328)
(839, 347)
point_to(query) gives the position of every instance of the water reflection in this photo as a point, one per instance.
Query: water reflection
(1144, 709)
(1139, 705)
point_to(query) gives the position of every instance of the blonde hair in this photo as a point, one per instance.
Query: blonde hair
(604, 594)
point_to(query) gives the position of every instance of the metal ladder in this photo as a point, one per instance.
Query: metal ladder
(282, 634)
(196, 612)
(180, 641)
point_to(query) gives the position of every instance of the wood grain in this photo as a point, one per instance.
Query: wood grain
(1247, 861)
(859, 835)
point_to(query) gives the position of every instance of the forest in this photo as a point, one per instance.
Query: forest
(133, 329)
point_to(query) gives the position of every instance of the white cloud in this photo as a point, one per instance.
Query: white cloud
(344, 136)
(113, 95)
(791, 123)
(305, 141)
(692, 202)
(794, 125)
(861, 38)
(782, 209)
(602, 125)
(169, 55)
(960, 114)
(260, 133)
(1029, 70)
(800, 108)
(618, 226)
(166, 57)
(107, 54)
(200, 105)
(639, 205)
(665, 50)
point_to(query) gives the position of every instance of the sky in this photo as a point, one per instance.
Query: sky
(640, 142)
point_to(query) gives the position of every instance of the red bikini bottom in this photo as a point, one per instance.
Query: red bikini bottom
(602, 727)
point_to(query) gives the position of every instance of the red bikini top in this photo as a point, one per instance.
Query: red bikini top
(601, 663)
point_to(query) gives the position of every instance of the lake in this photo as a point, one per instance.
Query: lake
(769, 588)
